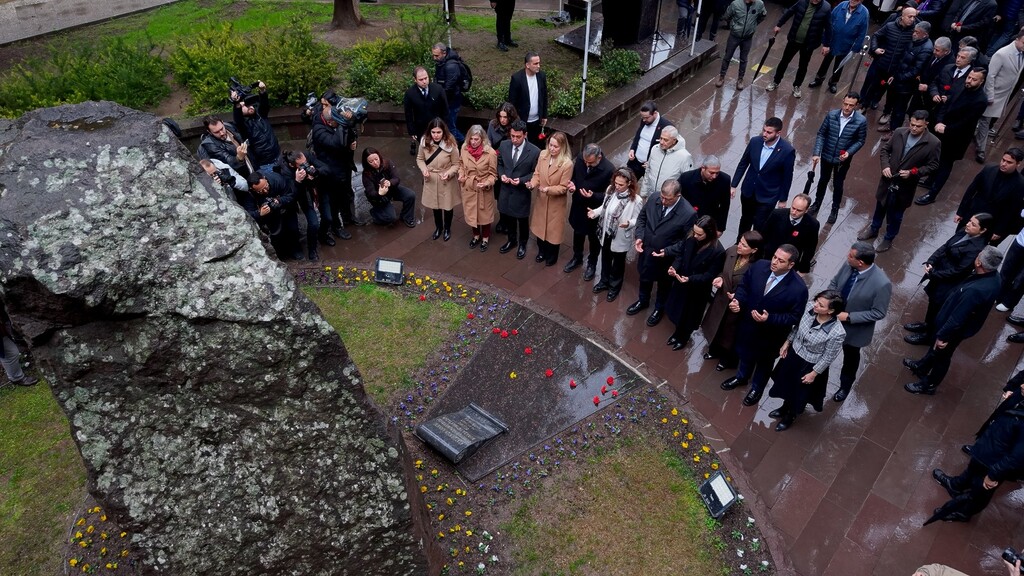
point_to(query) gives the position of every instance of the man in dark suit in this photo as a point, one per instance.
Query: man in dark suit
(942, 56)
(591, 174)
(841, 134)
(517, 160)
(660, 224)
(707, 190)
(867, 291)
(423, 102)
(793, 226)
(960, 317)
(969, 18)
(998, 191)
(770, 300)
(646, 138)
(909, 155)
(955, 124)
(528, 92)
(947, 267)
(767, 164)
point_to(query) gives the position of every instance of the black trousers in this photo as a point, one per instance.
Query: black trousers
(972, 482)
(851, 362)
(595, 246)
(935, 363)
(613, 266)
(753, 214)
(837, 173)
(518, 229)
(834, 60)
(664, 288)
(503, 20)
(792, 49)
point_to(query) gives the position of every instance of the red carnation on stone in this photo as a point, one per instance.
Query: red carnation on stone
(615, 393)
(496, 330)
(528, 350)
(549, 372)
(604, 390)
(504, 333)
(515, 332)
(611, 380)
(572, 384)
(597, 400)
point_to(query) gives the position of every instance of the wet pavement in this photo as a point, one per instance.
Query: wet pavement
(846, 490)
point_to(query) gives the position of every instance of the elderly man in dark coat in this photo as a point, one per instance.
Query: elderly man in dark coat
(770, 301)
(955, 123)
(962, 315)
(867, 291)
(591, 174)
(707, 190)
(998, 190)
(662, 222)
(909, 155)
(969, 18)
(517, 160)
(888, 45)
(794, 226)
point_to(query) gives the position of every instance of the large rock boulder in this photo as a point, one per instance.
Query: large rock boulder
(218, 414)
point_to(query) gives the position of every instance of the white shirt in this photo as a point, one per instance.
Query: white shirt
(843, 121)
(531, 84)
(643, 147)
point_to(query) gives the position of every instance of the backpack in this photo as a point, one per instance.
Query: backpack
(465, 74)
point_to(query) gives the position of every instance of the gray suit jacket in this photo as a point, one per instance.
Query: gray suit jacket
(868, 303)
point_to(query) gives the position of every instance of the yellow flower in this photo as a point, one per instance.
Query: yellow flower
(423, 489)
(434, 472)
(430, 506)
(696, 457)
(440, 517)
(664, 420)
(78, 535)
(419, 464)
(714, 465)
(684, 421)
(85, 567)
(103, 535)
(73, 562)
(706, 475)
(327, 268)
(94, 510)
(123, 534)
(103, 551)
(728, 479)
(90, 529)
(685, 445)
(124, 553)
(706, 449)
(689, 435)
(675, 412)
(512, 375)
(469, 532)
(83, 544)
(461, 563)
(450, 501)
(340, 275)
(458, 528)
(468, 513)
(419, 477)
(81, 522)
(675, 433)
(110, 566)
(440, 488)
(440, 535)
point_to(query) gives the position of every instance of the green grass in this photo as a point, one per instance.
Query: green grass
(465, 20)
(42, 481)
(631, 511)
(388, 333)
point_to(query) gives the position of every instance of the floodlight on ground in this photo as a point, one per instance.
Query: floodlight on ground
(388, 271)
(718, 494)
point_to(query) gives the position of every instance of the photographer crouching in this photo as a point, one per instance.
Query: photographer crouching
(275, 199)
(382, 187)
(303, 169)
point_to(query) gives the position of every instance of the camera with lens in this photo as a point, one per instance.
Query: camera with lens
(272, 203)
(225, 177)
(246, 93)
(1012, 556)
(309, 168)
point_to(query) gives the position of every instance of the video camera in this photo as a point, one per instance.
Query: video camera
(246, 92)
(225, 177)
(1012, 556)
(347, 112)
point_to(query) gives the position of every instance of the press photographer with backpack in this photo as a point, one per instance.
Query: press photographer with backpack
(452, 73)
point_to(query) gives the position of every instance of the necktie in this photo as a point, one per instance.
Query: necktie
(771, 283)
(664, 211)
(515, 156)
(792, 222)
(1020, 59)
(958, 74)
(848, 287)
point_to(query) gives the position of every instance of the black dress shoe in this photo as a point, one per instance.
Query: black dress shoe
(521, 252)
(474, 241)
(840, 395)
(501, 46)
(921, 387)
(507, 247)
(512, 44)
(436, 234)
(924, 199)
(967, 449)
(679, 346)
(484, 245)
(719, 367)
(654, 318)
(832, 217)
(672, 340)
(752, 397)
(946, 482)
(816, 82)
(915, 367)
(410, 223)
(572, 265)
(833, 88)
(600, 287)
(539, 258)
(917, 339)
(447, 235)
(1015, 320)
(732, 383)
(785, 424)
(709, 356)
(956, 517)
(589, 273)
(1017, 338)
(636, 307)
(612, 295)
(919, 327)
(777, 413)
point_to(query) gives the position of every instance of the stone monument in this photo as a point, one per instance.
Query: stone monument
(218, 414)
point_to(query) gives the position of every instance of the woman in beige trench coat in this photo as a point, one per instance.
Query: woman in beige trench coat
(438, 159)
(478, 171)
(550, 205)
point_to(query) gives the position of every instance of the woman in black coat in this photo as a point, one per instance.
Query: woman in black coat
(698, 261)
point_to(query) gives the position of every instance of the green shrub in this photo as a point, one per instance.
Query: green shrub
(619, 67)
(567, 102)
(129, 73)
(418, 34)
(487, 97)
(290, 61)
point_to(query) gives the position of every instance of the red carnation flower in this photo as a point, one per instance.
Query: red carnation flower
(597, 400)
(549, 372)
(841, 152)
(515, 332)
(615, 393)
(423, 297)
(913, 171)
(696, 208)
(611, 380)
(947, 87)
(504, 333)
(496, 330)
(572, 384)
(795, 233)
(528, 350)
(541, 136)
(470, 316)
(604, 390)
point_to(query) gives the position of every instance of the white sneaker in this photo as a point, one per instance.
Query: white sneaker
(796, 92)
(1002, 308)
(771, 87)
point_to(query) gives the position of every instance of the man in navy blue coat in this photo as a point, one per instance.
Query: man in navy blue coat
(841, 134)
(770, 300)
(961, 316)
(767, 165)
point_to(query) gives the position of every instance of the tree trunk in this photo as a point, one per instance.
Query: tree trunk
(346, 15)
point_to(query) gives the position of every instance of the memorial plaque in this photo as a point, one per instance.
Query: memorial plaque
(459, 434)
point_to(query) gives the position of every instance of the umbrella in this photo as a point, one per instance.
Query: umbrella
(760, 65)
(860, 59)
(810, 181)
(956, 504)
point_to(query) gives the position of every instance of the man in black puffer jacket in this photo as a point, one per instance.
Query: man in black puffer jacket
(252, 124)
(223, 142)
(811, 26)
(888, 47)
